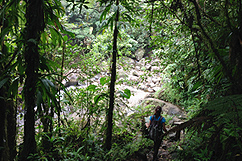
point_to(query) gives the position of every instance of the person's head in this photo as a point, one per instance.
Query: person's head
(157, 111)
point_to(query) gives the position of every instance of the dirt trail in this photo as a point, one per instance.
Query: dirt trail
(164, 152)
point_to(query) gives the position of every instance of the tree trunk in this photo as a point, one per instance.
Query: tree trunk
(34, 26)
(112, 85)
(11, 118)
(7, 114)
(4, 151)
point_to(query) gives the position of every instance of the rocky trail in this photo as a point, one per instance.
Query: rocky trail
(166, 152)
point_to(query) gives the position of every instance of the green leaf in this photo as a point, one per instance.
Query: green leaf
(69, 33)
(14, 86)
(3, 33)
(197, 85)
(100, 97)
(91, 88)
(103, 81)
(105, 12)
(53, 36)
(51, 84)
(45, 83)
(44, 37)
(127, 93)
(65, 38)
(56, 36)
(2, 82)
(97, 98)
(39, 99)
(110, 21)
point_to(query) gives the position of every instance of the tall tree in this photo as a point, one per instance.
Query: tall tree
(4, 151)
(113, 80)
(34, 27)
(8, 82)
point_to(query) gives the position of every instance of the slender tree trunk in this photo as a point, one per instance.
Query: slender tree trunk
(112, 85)
(34, 26)
(7, 112)
(7, 120)
(4, 150)
(151, 20)
(11, 128)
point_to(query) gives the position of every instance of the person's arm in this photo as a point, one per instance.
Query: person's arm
(148, 124)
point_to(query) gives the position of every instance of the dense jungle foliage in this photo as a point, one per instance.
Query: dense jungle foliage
(199, 47)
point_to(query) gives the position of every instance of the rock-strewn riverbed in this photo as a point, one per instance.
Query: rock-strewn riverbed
(143, 78)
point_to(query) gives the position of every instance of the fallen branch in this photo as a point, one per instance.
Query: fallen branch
(187, 124)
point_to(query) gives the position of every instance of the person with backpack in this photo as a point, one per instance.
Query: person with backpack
(156, 127)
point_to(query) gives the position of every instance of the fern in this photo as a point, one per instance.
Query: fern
(219, 126)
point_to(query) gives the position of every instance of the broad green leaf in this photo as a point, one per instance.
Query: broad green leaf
(65, 38)
(91, 88)
(103, 81)
(127, 93)
(53, 36)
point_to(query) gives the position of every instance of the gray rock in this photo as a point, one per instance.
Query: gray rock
(167, 108)
(171, 109)
(148, 67)
(153, 102)
(155, 69)
(139, 53)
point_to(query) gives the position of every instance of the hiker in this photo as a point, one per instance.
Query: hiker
(160, 120)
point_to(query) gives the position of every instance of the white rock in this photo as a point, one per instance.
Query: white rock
(155, 69)
(148, 67)
(133, 78)
(137, 68)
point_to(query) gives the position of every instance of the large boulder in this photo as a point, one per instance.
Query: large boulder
(153, 102)
(172, 110)
(167, 108)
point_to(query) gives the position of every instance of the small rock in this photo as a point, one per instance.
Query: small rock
(152, 85)
(137, 68)
(155, 69)
(151, 90)
(148, 67)
(134, 78)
